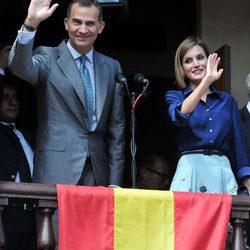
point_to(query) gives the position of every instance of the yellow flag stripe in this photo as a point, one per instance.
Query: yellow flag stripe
(143, 219)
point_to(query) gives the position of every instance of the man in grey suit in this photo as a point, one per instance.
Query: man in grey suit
(70, 149)
(72, 146)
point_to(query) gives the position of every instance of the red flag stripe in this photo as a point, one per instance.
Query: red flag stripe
(86, 217)
(201, 220)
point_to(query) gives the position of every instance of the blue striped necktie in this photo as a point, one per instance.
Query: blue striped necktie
(88, 90)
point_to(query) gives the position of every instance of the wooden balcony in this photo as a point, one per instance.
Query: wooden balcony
(43, 198)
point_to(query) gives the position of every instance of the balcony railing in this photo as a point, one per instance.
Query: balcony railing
(43, 198)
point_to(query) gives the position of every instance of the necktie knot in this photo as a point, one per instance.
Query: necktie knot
(83, 59)
(10, 126)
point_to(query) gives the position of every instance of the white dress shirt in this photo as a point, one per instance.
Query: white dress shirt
(248, 107)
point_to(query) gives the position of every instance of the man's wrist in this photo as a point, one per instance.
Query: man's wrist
(28, 27)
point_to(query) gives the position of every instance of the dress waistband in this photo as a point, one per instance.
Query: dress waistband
(204, 152)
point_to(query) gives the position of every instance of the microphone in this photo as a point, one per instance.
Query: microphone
(120, 77)
(140, 79)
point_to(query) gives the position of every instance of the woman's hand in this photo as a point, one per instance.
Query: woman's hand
(213, 73)
(201, 91)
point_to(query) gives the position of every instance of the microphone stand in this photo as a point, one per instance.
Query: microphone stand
(134, 98)
(133, 147)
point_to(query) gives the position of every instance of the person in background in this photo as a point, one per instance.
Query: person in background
(81, 120)
(4, 53)
(245, 126)
(16, 165)
(245, 117)
(207, 125)
(154, 173)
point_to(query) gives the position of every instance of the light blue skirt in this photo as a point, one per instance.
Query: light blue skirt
(204, 173)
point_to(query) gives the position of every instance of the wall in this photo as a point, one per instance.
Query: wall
(228, 22)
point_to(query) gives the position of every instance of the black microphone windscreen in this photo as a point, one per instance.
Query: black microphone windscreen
(120, 78)
(138, 77)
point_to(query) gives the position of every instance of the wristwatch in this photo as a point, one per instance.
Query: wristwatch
(28, 27)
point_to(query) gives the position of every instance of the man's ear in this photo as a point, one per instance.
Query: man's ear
(66, 23)
(101, 27)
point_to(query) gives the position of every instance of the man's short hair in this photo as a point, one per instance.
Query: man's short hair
(87, 3)
(8, 80)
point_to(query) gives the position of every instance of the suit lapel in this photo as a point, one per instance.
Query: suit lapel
(245, 114)
(245, 122)
(101, 82)
(29, 137)
(68, 66)
(247, 126)
(12, 137)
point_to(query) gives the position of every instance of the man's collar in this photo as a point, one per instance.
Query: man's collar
(8, 123)
(76, 54)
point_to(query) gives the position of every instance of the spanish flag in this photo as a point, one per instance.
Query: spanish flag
(99, 218)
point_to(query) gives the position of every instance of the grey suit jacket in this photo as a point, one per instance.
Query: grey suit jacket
(62, 137)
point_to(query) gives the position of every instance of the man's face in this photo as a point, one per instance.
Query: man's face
(83, 27)
(156, 179)
(9, 107)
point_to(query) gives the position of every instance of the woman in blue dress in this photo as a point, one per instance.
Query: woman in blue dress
(207, 125)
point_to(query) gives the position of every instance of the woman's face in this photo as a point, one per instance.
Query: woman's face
(194, 64)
